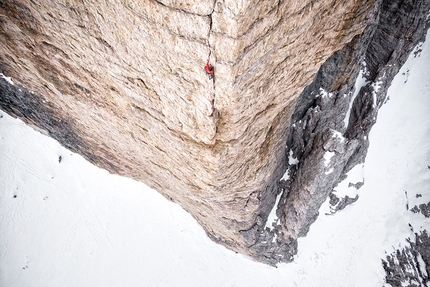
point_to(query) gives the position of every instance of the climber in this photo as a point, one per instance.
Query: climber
(209, 69)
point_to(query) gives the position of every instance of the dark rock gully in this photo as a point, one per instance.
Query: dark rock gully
(331, 116)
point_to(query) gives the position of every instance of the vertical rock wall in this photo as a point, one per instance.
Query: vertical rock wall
(122, 83)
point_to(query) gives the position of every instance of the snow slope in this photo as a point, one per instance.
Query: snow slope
(65, 222)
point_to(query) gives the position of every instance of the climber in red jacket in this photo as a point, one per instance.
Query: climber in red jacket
(209, 69)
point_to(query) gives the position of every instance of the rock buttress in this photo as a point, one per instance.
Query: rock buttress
(334, 116)
(122, 83)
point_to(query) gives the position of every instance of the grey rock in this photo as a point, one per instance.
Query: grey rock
(337, 204)
(409, 266)
(423, 208)
(318, 122)
(357, 185)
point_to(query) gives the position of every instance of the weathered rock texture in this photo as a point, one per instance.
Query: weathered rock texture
(334, 117)
(122, 83)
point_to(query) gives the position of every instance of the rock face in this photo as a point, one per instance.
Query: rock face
(336, 112)
(333, 117)
(122, 83)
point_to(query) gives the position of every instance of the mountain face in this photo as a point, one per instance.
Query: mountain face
(122, 83)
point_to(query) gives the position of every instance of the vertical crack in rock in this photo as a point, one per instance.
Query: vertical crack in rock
(211, 82)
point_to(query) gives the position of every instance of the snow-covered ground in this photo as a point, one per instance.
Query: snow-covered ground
(65, 222)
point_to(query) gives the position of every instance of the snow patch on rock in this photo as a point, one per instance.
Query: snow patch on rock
(359, 83)
(8, 79)
(327, 157)
(291, 159)
(273, 218)
(324, 94)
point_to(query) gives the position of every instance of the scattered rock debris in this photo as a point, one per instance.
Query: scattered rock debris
(409, 266)
(423, 208)
(339, 203)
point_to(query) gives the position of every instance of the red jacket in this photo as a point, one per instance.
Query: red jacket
(209, 69)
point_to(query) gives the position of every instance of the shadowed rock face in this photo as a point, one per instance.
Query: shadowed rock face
(329, 119)
(122, 83)
(333, 117)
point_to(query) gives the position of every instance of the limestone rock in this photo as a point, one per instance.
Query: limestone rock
(122, 83)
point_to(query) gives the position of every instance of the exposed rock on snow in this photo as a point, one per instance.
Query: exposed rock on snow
(340, 203)
(411, 265)
(122, 83)
(423, 208)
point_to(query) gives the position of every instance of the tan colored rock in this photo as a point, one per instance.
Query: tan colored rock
(128, 77)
